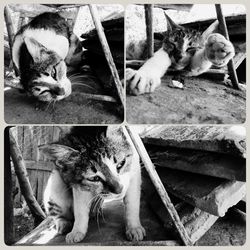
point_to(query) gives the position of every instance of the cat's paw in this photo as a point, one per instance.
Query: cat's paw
(135, 233)
(63, 226)
(74, 237)
(140, 81)
(219, 50)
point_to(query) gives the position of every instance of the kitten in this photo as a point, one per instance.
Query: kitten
(182, 49)
(39, 52)
(92, 163)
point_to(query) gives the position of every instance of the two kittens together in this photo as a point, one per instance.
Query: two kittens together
(92, 165)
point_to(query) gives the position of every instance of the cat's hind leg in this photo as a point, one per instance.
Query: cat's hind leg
(219, 50)
(58, 203)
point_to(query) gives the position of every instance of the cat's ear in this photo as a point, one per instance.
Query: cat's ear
(58, 152)
(171, 25)
(36, 49)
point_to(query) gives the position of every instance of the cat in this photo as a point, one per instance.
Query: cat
(92, 163)
(39, 52)
(182, 49)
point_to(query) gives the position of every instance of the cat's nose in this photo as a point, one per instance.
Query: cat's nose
(115, 187)
(58, 91)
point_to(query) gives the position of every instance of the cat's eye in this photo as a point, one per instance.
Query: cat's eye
(53, 73)
(120, 164)
(94, 179)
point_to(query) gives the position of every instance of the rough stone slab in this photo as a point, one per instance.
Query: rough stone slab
(213, 195)
(201, 162)
(223, 139)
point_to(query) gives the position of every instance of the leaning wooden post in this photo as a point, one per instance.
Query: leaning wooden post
(23, 180)
(149, 29)
(224, 31)
(159, 186)
(10, 31)
(8, 196)
(106, 50)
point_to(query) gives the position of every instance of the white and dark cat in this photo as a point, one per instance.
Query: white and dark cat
(92, 163)
(39, 52)
(182, 49)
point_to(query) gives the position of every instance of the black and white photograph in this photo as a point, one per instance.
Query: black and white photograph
(185, 63)
(117, 185)
(64, 64)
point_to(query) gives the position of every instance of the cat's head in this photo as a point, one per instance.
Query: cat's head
(97, 159)
(180, 43)
(42, 72)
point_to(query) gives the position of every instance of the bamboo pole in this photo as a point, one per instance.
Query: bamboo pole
(149, 29)
(23, 180)
(107, 52)
(159, 186)
(224, 31)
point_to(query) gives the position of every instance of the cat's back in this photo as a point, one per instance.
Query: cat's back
(50, 21)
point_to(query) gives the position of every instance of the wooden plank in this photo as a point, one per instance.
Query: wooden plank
(196, 221)
(201, 162)
(213, 195)
(107, 52)
(40, 165)
(149, 28)
(223, 139)
(158, 184)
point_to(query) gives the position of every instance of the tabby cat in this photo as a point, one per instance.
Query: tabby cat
(182, 49)
(92, 164)
(39, 52)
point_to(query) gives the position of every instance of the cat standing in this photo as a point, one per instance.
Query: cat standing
(39, 52)
(182, 49)
(92, 163)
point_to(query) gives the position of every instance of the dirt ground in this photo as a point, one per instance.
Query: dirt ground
(73, 110)
(200, 101)
(227, 231)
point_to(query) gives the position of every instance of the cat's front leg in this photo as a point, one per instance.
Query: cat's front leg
(148, 77)
(134, 229)
(217, 51)
(82, 201)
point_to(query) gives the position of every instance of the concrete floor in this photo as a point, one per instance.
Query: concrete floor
(199, 102)
(227, 231)
(21, 109)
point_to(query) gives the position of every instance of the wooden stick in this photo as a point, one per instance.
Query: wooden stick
(23, 180)
(158, 185)
(149, 29)
(10, 31)
(8, 200)
(224, 31)
(106, 50)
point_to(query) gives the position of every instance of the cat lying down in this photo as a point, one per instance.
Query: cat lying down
(182, 49)
(39, 52)
(92, 164)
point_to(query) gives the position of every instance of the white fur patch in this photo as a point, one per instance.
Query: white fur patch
(48, 38)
